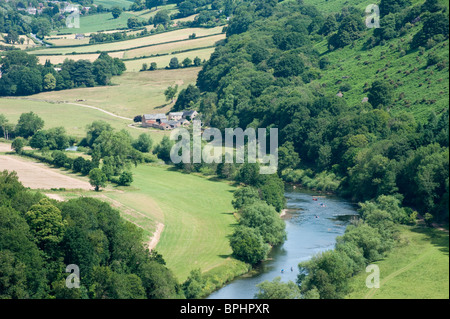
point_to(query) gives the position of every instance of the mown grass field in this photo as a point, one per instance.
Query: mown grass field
(99, 22)
(114, 3)
(131, 93)
(72, 117)
(417, 269)
(196, 212)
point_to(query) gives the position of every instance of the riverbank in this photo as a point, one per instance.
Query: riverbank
(307, 235)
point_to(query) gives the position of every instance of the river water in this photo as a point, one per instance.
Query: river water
(311, 226)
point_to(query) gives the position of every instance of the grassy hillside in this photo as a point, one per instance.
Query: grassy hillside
(131, 94)
(418, 268)
(419, 88)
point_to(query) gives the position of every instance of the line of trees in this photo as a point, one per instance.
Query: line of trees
(23, 75)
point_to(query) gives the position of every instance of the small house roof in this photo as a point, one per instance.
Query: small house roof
(156, 116)
(189, 112)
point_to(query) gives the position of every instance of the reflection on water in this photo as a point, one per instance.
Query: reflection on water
(312, 227)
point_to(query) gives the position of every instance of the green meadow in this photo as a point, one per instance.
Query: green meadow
(130, 94)
(72, 117)
(114, 3)
(99, 22)
(196, 212)
(418, 268)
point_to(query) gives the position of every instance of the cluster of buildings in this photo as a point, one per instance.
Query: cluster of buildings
(169, 122)
(63, 5)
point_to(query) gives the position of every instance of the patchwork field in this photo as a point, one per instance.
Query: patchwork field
(176, 35)
(174, 46)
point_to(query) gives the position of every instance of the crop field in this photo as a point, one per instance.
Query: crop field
(174, 46)
(57, 59)
(65, 40)
(38, 175)
(176, 35)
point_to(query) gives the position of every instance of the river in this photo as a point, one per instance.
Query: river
(311, 226)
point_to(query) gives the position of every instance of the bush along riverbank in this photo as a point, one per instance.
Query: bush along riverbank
(369, 238)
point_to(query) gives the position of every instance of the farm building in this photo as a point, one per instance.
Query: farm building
(176, 116)
(162, 122)
(149, 120)
(190, 114)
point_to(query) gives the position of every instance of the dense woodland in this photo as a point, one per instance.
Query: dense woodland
(40, 237)
(261, 76)
(266, 74)
(23, 75)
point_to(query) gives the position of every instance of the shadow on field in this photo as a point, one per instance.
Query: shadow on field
(437, 237)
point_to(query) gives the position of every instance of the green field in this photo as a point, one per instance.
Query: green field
(131, 93)
(72, 117)
(99, 22)
(196, 212)
(417, 269)
(114, 3)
